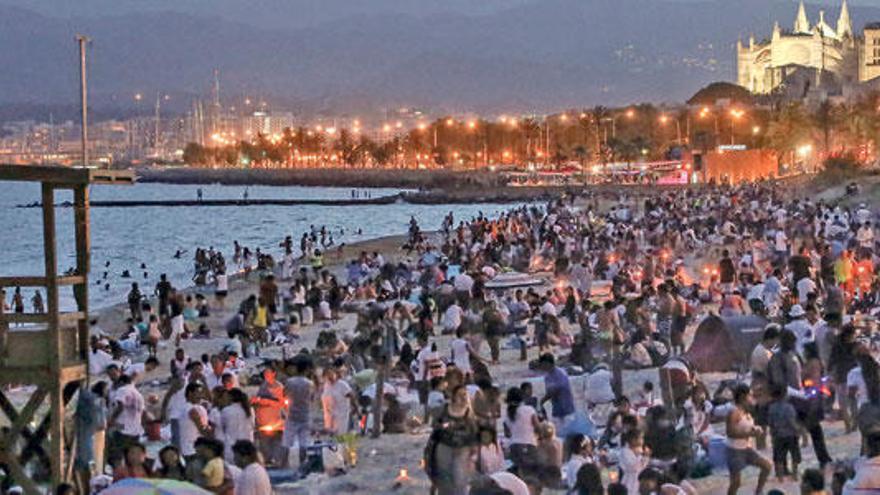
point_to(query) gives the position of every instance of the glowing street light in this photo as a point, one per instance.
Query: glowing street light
(138, 97)
(756, 130)
(386, 128)
(472, 125)
(630, 113)
(804, 150)
(449, 122)
(664, 119)
(422, 126)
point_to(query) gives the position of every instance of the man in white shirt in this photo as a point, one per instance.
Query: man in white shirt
(805, 287)
(801, 327)
(253, 479)
(128, 407)
(452, 318)
(764, 350)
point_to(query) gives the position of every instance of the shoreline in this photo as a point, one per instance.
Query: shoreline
(334, 262)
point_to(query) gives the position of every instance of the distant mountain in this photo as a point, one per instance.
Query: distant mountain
(508, 56)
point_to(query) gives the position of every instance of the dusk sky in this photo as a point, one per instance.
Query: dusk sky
(346, 55)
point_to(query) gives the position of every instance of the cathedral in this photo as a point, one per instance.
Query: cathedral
(810, 54)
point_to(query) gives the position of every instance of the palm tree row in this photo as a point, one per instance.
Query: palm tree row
(595, 135)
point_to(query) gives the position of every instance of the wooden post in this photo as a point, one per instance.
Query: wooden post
(4, 330)
(83, 247)
(56, 447)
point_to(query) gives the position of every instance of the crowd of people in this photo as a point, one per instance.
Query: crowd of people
(599, 287)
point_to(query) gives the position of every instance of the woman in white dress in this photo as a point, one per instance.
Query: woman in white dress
(336, 400)
(237, 421)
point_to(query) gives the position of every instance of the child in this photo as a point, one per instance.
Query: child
(782, 420)
(172, 468)
(579, 449)
(211, 452)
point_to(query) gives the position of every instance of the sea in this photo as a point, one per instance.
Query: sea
(124, 238)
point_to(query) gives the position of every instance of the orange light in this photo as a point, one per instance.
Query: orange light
(630, 113)
(449, 122)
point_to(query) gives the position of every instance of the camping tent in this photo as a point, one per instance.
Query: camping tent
(725, 343)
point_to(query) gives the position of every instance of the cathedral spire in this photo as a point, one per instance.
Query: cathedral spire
(801, 23)
(844, 23)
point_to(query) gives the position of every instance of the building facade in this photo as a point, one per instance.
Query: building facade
(817, 49)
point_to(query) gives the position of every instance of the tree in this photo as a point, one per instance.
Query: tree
(789, 128)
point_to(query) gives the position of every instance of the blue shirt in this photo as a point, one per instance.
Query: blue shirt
(558, 388)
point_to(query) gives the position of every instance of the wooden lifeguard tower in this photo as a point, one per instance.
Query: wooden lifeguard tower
(48, 351)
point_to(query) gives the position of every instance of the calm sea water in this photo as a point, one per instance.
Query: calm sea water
(127, 237)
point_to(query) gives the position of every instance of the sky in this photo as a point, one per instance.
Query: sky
(455, 55)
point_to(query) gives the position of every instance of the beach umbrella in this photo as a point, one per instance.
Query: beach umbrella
(144, 486)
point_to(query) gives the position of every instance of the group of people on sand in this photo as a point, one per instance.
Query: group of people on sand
(519, 386)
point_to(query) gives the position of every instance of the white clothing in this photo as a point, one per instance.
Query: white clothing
(463, 283)
(867, 478)
(781, 241)
(98, 362)
(189, 431)
(522, 428)
(132, 403)
(222, 282)
(632, 464)
(571, 468)
(337, 406)
(177, 327)
(253, 480)
(804, 287)
(510, 482)
(452, 318)
(177, 405)
(597, 387)
(461, 355)
(804, 332)
(235, 425)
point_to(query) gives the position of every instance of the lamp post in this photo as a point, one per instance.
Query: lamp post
(735, 115)
(84, 97)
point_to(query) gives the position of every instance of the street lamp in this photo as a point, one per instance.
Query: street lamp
(735, 115)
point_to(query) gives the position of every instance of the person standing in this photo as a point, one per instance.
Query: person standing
(237, 421)
(300, 393)
(134, 301)
(128, 409)
(337, 401)
(741, 453)
(453, 445)
(557, 390)
(268, 408)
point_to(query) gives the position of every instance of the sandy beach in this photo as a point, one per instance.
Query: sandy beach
(381, 460)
